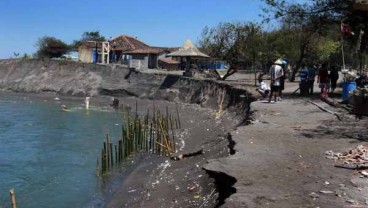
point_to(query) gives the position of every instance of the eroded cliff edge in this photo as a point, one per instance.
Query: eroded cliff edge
(83, 79)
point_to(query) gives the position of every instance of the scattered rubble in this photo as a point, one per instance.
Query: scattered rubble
(356, 158)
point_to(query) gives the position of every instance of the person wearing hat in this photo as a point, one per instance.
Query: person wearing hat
(276, 73)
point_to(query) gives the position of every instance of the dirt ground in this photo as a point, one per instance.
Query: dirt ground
(280, 159)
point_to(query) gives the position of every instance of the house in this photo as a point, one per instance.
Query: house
(135, 53)
(127, 50)
(189, 56)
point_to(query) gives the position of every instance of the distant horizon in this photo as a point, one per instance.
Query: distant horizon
(161, 23)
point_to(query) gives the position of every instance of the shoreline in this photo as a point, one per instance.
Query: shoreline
(201, 130)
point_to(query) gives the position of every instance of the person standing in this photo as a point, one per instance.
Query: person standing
(323, 80)
(334, 76)
(311, 78)
(303, 75)
(276, 73)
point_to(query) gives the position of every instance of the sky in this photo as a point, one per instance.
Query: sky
(166, 23)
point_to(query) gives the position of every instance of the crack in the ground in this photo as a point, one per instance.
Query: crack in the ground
(224, 185)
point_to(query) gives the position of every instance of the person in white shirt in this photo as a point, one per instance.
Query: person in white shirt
(263, 89)
(276, 73)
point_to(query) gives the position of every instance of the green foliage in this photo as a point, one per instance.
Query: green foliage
(89, 36)
(232, 42)
(323, 49)
(50, 47)
(26, 56)
(313, 24)
(92, 36)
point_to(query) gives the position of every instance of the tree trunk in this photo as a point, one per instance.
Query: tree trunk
(299, 63)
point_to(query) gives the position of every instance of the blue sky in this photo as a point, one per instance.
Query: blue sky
(158, 23)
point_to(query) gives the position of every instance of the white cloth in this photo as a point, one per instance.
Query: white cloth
(276, 71)
(263, 86)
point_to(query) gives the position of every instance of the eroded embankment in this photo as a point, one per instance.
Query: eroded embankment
(70, 78)
(82, 79)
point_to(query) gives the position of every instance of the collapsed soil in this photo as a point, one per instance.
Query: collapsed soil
(157, 181)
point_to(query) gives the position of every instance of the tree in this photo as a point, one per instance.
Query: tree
(89, 36)
(308, 21)
(50, 47)
(92, 36)
(232, 42)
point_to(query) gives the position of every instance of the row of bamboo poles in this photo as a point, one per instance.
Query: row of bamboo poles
(152, 133)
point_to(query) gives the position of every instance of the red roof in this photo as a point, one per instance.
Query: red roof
(127, 43)
(131, 45)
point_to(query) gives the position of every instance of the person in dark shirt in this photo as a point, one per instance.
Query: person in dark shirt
(303, 75)
(310, 79)
(324, 80)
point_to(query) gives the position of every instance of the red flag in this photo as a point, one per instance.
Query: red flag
(345, 29)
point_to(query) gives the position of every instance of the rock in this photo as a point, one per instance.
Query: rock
(364, 173)
(314, 195)
(326, 192)
(351, 201)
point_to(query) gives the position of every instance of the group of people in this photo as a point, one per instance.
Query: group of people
(327, 79)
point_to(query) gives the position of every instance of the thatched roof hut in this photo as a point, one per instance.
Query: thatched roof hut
(188, 50)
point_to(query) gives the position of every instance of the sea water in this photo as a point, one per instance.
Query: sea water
(49, 156)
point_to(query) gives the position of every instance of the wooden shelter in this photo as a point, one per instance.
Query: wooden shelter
(87, 51)
(168, 64)
(187, 54)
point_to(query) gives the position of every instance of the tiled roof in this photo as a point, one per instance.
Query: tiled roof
(127, 43)
(131, 45)
(169, 61)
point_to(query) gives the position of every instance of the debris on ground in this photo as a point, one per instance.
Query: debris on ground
(356, 158)
(182, 156)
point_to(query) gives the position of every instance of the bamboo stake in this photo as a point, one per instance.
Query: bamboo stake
(108, 151)
(120, 150)
(172, 132)
(111, 155)
(168, 149)
(150, 138)
(105, 157)
(177, 113)
(116, 154)
(97, 168)
(136, 108)
(160, 144)
(167, 116)
(12, 196)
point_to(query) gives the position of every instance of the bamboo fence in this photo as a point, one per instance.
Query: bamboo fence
(152, 133)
